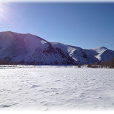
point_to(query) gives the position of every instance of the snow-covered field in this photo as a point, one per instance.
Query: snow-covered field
(56, 88)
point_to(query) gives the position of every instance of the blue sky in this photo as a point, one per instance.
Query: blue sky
(86, 25)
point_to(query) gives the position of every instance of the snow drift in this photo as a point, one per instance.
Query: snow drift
(56, 89)
(18, 47)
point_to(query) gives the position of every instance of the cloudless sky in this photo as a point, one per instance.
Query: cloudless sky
(86, 25)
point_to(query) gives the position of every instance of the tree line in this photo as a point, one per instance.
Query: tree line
(109, 64)
(5, 62)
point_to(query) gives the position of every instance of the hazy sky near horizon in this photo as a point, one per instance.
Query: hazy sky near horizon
(86, 25)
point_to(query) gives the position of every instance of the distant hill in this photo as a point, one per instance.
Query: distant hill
(102, 53)
(18, 47)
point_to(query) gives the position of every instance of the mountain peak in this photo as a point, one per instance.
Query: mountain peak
(100, 47)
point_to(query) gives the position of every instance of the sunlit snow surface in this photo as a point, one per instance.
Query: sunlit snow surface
(56, 88)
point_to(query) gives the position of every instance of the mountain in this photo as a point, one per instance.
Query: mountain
(18, 47)
(101, 53)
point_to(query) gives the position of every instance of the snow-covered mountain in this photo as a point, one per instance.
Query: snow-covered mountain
(101, 53)
(18, 47)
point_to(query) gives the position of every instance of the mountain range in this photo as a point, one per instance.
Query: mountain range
(20, 47)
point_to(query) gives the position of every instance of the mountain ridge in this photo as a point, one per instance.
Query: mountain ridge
(25, 47)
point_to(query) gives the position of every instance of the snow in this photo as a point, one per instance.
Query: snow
(56, 88)
(76, 53)
(100, 49)
(106, 55)
(101, 53)
(19, 47)
(64, 47)
(96, 51)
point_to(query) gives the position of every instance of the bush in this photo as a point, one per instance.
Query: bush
(79, 66)
(89, 65)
